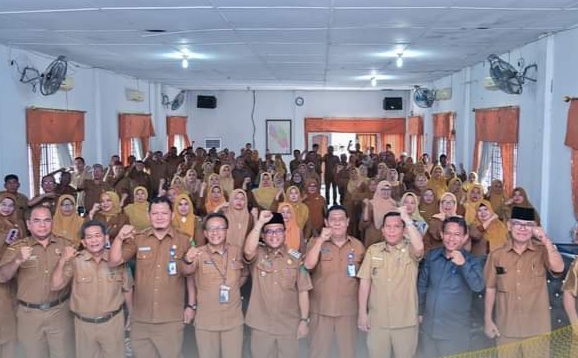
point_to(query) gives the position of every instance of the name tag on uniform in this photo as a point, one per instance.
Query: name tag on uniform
(144, 249)
(351, 270)
(224, 294)
(294, 253)
(172, 268)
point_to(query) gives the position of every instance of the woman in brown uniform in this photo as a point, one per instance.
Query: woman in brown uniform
(213, 200)
(241, 222)
(264, 195)
(184, 218)
(10, 231)
(474, 196)
(373, 212)
(428, 204)
(66, 222)
(496, 196)
(110, 213)
(519, 198)
(317, 209)
(293, 234)
(226, 179)
(356, 188)
(447, 208)
(487, 232)
(438, 181)
(138, 211)
(397, 185)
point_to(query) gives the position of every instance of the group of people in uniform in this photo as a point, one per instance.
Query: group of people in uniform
(226, 241)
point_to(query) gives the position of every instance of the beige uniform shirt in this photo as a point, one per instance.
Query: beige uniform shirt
(334, 292)
(35, 274)
(393, 273)
(158, 296)
(278, 278)
(96, 288)
(522, 304)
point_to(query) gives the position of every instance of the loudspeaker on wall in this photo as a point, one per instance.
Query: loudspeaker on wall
(206, 102)
(393, 103)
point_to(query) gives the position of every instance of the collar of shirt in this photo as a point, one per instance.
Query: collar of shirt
(151, 232)
(398, 247)
(32, 241)
(510, 245)
(212, 250)
(87, 256)
(281, 251)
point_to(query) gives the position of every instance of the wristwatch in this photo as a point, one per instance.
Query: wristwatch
(306, 320)
(193, 306)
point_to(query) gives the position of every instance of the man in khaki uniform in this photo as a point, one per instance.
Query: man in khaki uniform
(12, 184)
(44, 320)
(97, 294)
(333, 259)
(387, 292)
(94, 187)
(515, 277)
(80, 173)
(278, 310)
(159, 294)
(219, 273)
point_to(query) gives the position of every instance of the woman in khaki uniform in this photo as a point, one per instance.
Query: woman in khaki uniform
(356, 189)
(428, 204)
(487, 232)
(520, 199)
(474, 196)
(317, 209)
(110, 213)
(438, 181)
(66, 222)
(137, 212)
(10, 231)
(226, 179)
(496, 195)
(373, 212)
(447, 207)
(293, 234)
(185, 220)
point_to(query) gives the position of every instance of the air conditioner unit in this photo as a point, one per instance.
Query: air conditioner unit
(213, 143)
(67, 84)
(489, 84)
(134, 95)
(443, 94)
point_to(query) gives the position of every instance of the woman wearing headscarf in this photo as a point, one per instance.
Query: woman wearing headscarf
(280, 166)
(455, 187)
(226, 179)
(397, 185)
(487, 232)
(10, 231)
(66, 221)
(438, 181)
(208, 169)
(297, 180)
(472, 180)
(293, 234)
(213, 200)
(137, 212)
(373, 211)
(474, 196)
(519, 198)
(356, 189)
(382, 172)
(184, 218)
(317, 209)
(496, 195)
(192, 184)
(411, 203)
(420, 184)
(293, 197)
(109, 212)
(241, 221)
(264, 195)
(428, 204)
(447, 208)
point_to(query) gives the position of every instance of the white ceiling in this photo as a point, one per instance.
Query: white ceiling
(298, 44)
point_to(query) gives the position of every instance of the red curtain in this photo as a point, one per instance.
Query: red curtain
(134, 126)
(177, 125)
(322, 141)
(499, 125)
(572, 142)
(45, 126)
(397, 142)
(354, 125)
(367, 141)
(443, 124)
(415, 128)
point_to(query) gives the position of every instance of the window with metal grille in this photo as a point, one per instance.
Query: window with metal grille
(52, 158)
(495, 168)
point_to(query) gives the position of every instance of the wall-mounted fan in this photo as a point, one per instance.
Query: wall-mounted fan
(423, 97)
(506, 77)
(49, 81)
(176, 103)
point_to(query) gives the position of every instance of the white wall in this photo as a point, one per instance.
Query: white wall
(99, 92)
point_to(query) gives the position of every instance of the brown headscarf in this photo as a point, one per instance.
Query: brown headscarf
(239, 220)
(380, 205)
(292, 231)
(184, 223)
(138, 213)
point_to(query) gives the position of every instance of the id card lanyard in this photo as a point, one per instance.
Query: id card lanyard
(351, 264)
(172, 265)
(223, 288)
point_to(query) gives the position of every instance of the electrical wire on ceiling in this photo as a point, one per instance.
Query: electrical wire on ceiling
(253, 117)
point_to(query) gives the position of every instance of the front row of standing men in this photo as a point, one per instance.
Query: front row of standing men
(328, 294)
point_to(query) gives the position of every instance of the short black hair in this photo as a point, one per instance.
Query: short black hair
(11, 177)
(215, 215)
(160, 200)
(334, 208)
(91, 223)
(456, 220)
(81, 159)
(30, 210)
(392, 214)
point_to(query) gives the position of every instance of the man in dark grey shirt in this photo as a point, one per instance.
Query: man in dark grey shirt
(446, 280)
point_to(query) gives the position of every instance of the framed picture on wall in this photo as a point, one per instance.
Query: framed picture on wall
(278, 136)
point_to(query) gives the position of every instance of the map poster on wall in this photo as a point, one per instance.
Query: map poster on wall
(278, 136)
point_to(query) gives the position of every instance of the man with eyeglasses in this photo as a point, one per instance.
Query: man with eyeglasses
(278, 312)
(516, 302)
(97, 296)
(219, 272)
(333, 259)
(44, 320)
(159, 309)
